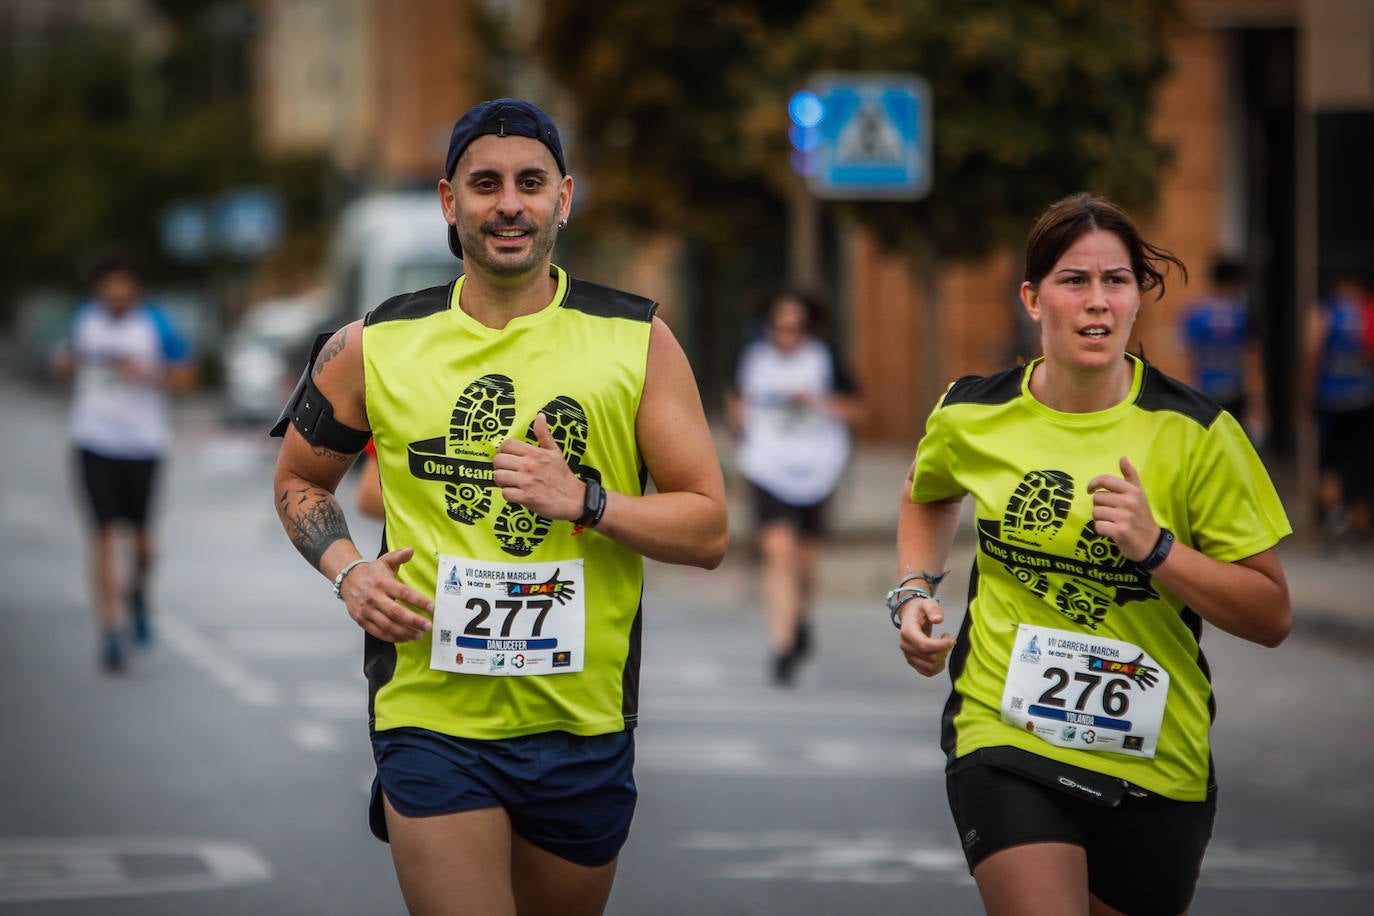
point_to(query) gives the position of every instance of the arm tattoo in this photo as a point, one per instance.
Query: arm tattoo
(332, 348)
(313, 521)
(319, 451)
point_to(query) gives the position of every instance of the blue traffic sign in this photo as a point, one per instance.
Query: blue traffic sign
(250, 223)
(186, 230)
(874, 137)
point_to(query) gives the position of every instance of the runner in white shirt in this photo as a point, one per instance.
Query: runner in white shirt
(123, 356)
(791, 405)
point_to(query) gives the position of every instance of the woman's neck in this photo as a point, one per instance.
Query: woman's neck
(1081, 392)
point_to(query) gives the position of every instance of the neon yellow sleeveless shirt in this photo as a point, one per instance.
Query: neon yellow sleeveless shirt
(443, 392)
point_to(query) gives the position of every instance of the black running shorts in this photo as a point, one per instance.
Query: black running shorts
(1144, 853)
(808, 519)
(117, 488)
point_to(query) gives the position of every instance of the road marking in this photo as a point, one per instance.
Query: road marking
(68, 869)
(249, 687)
(895, 857)
(850, 756)
(295, 643)
(1295, 865)
(856, 709)
(342, 700)
(315, 736)
(870, 857)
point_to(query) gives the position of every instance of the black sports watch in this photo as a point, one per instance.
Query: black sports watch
(593, 504)
(1161, 550)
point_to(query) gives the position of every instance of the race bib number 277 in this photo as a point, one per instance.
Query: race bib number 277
(509, 619)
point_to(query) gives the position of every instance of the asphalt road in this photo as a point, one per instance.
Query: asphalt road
(226, 773)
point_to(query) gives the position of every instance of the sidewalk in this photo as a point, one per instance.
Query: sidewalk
(1332, 590)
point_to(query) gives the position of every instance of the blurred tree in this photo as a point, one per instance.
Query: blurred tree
(88, 163)
(682, 123)
(664, 95)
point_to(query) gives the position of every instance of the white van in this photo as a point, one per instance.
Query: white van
(384, 244)
(387, 244)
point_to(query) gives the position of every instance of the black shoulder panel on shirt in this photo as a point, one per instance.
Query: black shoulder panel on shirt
(419, 304)
(1161, 392)
(998, 388)
(605, 302)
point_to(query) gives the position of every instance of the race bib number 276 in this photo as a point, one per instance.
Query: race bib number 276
(509, 619)
(1085, 692)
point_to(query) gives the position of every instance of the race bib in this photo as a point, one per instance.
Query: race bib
(1085, 692)
(508, 619)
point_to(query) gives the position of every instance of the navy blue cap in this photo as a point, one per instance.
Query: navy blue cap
(504, 118)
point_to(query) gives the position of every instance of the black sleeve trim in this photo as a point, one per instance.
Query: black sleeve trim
(999, 388)
(409, 306)
(605, 302)
(1161, 392)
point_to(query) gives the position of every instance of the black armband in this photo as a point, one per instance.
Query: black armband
(313, 416)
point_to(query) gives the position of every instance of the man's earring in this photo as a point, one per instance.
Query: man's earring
(562, 224)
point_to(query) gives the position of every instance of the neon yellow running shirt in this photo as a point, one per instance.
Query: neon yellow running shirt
(1039, 561)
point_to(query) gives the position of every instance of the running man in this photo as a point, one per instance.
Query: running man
(517, 415)
(124, 356)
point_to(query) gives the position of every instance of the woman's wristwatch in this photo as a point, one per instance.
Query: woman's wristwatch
(1161, 550)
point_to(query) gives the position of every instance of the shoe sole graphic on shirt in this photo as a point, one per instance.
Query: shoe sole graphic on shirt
(518, 529)
(1039, 505)
(1102, 552)
(1035, 513)
(1082, 603)
(482, 417)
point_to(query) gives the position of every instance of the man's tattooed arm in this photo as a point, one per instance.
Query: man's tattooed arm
(332, 348)
(313, 520)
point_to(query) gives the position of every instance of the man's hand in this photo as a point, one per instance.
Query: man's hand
(374, 596)
(537, 476)
(1122, 512)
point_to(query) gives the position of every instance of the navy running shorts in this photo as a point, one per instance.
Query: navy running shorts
(117, 488)
(808, 519)
(1144, 853)
(569, 795)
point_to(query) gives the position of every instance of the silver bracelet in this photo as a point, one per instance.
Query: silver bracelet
(338, 580)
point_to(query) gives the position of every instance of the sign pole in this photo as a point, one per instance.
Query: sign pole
(804, 242)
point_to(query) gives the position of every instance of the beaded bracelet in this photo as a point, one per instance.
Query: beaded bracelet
(338, 580)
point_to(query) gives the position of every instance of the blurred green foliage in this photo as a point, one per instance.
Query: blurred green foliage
(682, 122)
(103, 132)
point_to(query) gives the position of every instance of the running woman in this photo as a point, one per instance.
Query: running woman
(1118, 511)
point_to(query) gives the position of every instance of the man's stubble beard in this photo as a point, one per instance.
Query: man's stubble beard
(540, 251)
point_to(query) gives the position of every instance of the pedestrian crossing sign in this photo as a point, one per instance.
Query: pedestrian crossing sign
(874, 137)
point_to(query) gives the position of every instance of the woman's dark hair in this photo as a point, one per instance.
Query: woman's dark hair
(766, 305)
(1068, 220)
